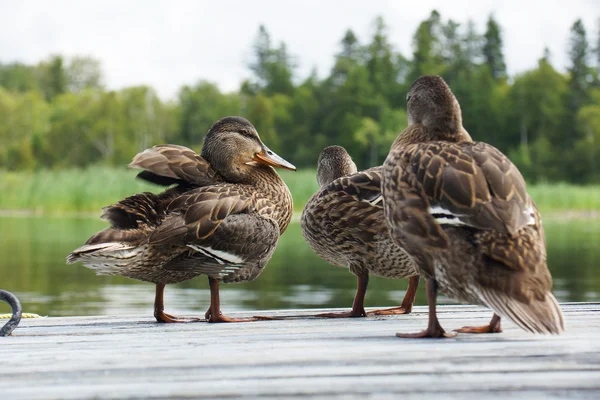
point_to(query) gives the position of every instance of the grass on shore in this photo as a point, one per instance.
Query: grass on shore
(90, 189)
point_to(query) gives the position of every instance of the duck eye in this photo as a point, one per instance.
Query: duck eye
(245, 132)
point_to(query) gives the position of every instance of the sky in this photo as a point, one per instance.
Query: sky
(166, 44)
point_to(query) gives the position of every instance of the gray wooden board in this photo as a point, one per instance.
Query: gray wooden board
(135, 357)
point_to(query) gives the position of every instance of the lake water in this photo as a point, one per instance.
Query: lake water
(32, 265)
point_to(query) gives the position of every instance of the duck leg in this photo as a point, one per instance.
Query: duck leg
(407, 302)
(492, 327)
(358, 307)
(434, 329)
(159, 308)
(214, 311)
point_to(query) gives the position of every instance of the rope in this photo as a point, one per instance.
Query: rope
(23, 315)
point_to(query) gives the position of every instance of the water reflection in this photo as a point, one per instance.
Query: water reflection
(33, 249)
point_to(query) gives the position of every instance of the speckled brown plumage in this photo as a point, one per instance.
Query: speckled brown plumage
(205, 225)
(343, 223)
(166, 164)
(461, 209)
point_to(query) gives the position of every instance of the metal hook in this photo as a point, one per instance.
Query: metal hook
(17, 311)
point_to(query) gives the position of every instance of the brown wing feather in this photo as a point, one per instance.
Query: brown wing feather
(249, 236)
(196, 214)
(406, 202)
(516, 264)
(358, 206)
(475, 182)
(174, 163)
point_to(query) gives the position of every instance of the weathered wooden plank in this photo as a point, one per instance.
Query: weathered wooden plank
(120, 357)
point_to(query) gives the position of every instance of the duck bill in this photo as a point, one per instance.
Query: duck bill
(268, 157)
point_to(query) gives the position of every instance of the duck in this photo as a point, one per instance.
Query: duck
(461, 209)
(221, 215)
(343, 223)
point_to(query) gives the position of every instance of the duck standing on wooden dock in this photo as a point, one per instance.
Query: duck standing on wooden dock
(461, 210)
(343, 223)
(222, 218)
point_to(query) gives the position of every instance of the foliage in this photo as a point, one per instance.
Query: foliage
(57, 114)
(89, 189)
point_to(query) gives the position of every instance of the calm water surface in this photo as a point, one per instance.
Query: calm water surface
(32, 265)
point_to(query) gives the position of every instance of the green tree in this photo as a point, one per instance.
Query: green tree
(587, 148)
(199, 107)
(260, 111)
(492, 49)
(18, 77)
(382, 67)
(53, 78)
(83, 73)
(272, 67)
(376, 138)
(539, 98)
(24, 119)
(578, 69)
(597, 48)
(427, 54)
(146, 120)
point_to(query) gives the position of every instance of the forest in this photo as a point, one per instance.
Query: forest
(58, 114)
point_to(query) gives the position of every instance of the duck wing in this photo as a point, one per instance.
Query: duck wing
(350, 208)
(131, 221)
(219, 227)
(515, 281)
(168, 164)
(464, 184)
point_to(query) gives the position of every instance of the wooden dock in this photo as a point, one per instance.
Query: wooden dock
(134, 357)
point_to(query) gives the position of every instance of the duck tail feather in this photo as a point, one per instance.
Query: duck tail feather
(537, 316)
(101, 251)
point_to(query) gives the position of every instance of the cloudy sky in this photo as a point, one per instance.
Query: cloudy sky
(170, 43)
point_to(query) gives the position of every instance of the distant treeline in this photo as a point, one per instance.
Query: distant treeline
(58, 114)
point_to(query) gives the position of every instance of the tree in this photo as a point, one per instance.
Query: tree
(53, 78)
(18, 77)
(83, 73)
(262, 56)
(260, 111)
(578, 70)
(588, 147)
(427, 54)
(383, 73)
(539, 99)
(352, 54)
(492, 49)
(146, 121)
(24, 118)
(596, 51)
(199, 107)
(376, 138)
(272, 67)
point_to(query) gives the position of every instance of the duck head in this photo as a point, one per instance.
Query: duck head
(234, 149)
(431, 103)
(334, 162)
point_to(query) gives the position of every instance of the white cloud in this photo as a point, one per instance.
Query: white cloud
(168, 44)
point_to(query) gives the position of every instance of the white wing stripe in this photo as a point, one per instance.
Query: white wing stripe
(445, 217)
(449, 221)
(219, 256)
(530, 213)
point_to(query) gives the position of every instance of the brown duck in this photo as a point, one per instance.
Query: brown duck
(222, 217)
(343, 223)
(461, 210)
